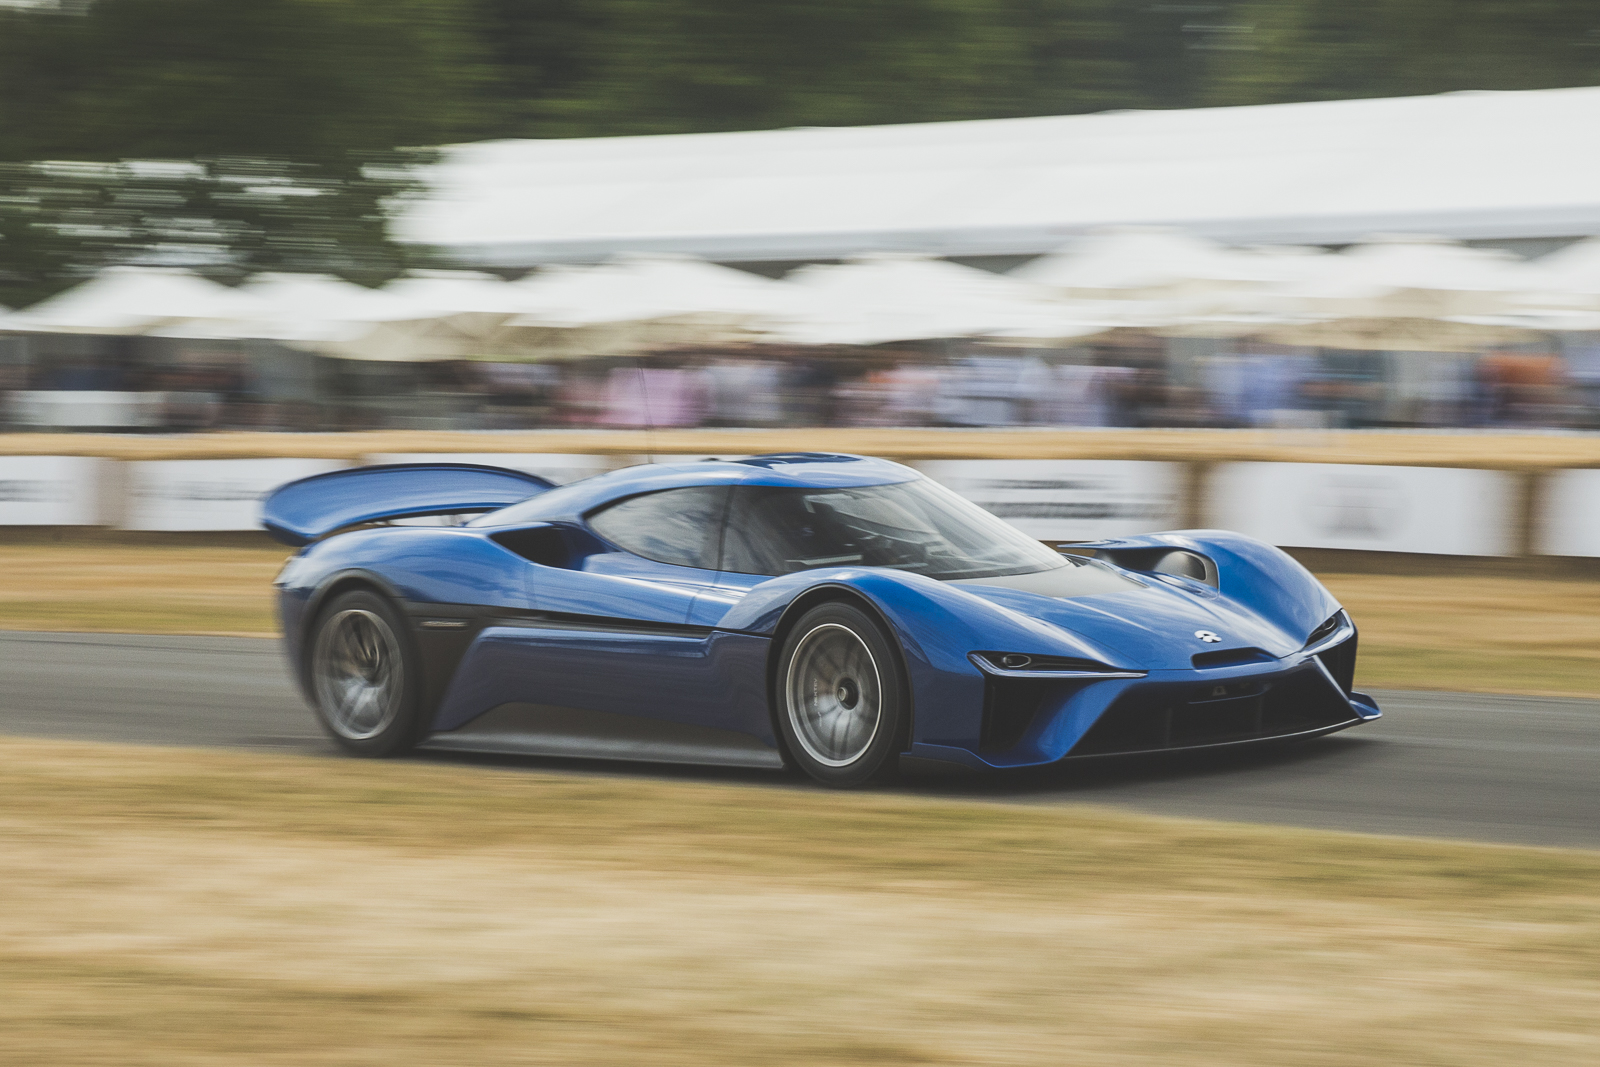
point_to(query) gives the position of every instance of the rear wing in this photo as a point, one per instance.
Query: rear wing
(300, 512)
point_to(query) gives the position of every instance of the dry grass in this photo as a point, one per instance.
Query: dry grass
(165, 907)
(155, 588)
(1499, 451)
(1475, 632)
(1417, 631)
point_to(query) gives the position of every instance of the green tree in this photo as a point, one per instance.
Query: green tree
(673, 66)
(285, 113)
(1341, 49)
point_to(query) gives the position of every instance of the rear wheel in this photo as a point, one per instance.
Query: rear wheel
(841, 704)
(364, 682)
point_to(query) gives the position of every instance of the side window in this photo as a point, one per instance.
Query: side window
(677, 526)
(779, 531)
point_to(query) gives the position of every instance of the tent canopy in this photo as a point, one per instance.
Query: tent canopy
(1147, 259)
(1471, 165)
(1409, 277)
(903, 298)
(643, 288)
(132, 300)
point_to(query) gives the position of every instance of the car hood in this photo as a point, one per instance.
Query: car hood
(1145, 622)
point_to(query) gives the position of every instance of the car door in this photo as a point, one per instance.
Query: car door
(759, 526)
(666, 545)
(610, 664)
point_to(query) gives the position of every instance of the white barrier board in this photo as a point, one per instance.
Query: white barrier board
(85, 409)
(1569, 518)
(1436, 510)
(559, 467)
(50, 490)
(1069, 499)
(209, 494)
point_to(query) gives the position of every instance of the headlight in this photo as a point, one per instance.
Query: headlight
(1026, 663)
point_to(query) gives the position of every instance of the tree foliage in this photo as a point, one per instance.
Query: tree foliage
(1343, 49)
(292, 113)
(729, 64)
(284, 115)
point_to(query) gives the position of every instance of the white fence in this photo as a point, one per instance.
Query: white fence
(1069, 499)
(1435, 510)
(208, 494)
(53, 491)
(1569, 519)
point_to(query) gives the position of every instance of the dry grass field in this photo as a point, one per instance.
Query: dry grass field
(1475, 632)
(183, 908)
(1466, 632)
(104, 586)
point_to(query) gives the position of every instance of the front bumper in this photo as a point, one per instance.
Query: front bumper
(1289, 705)
(1033, 721)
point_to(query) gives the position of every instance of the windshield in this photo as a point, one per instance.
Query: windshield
(915, 526)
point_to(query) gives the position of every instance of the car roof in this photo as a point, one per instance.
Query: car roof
(797, 470)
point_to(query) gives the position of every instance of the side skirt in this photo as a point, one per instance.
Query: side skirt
(547, 730)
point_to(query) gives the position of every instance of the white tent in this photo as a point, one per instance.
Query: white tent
(637, 288)
(1152, 262)
(132, 300)
(458, 292)
(1472, 165)
(637, 303)
(1567, 279)
(904, 298)
(315, 301)
(321, 313)
(1411, 277)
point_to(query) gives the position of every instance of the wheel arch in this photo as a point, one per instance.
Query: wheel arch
(334, 585)
(796, 609)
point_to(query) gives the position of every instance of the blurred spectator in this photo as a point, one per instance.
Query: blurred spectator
(656, 397)
(808, 389)
(992, 391)
(744, 393)
(1128, 382)
(1523, 388)
(83, 373)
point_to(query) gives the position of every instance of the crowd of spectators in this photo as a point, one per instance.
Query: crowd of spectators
(1150, 384)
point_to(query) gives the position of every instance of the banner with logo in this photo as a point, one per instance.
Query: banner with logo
(559, 467)
(209, 494)
(1069, 499)
(1569, 517)
(50, 490)
(1436, 510)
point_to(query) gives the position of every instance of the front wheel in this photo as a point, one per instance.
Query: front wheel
(364, 681)
(841, 704)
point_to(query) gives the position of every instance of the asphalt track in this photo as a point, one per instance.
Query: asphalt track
(1494, 768)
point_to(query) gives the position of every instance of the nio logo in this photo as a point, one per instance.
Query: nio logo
(1207, 636)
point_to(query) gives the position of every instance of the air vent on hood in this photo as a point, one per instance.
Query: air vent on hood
(1230, 657)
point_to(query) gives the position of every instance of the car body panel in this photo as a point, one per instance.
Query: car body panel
(587, 649)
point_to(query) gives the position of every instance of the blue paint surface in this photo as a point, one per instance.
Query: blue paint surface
(304, 510)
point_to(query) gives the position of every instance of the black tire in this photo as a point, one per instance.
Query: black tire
(363, 677)
(840, 704)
